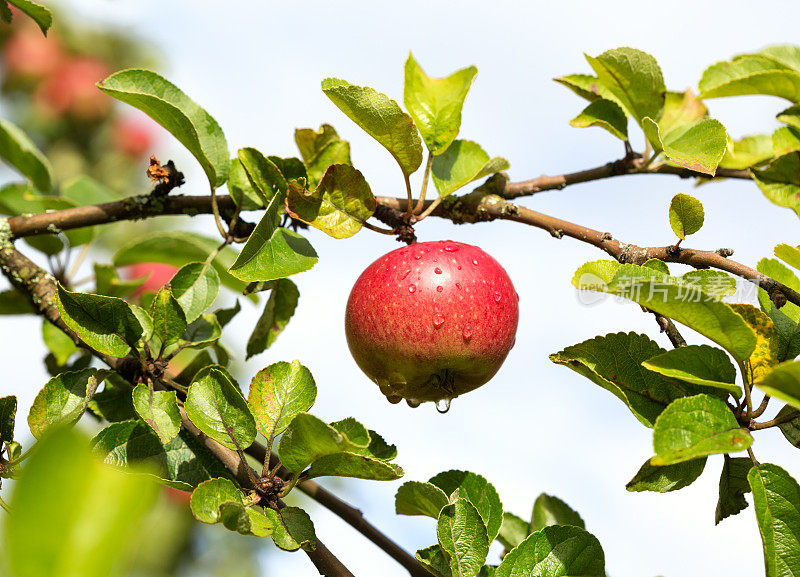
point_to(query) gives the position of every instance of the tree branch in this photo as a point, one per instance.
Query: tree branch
(28, 277)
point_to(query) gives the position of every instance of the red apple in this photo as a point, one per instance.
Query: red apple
(72, 91)
(30, 56)
(133, 136)
(431, 321)
(158, 274)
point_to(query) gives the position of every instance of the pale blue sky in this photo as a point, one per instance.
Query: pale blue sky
(537, 426)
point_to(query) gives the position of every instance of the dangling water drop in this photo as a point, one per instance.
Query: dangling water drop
(405, 274)
(394, 399)
(459, 267)
(467, 332)
(417, 257)
(439, 289)
(443, 405)
(474, 261)
(437, 270)
(497, 296)
(413, 403)
(438, 320)
(458, 284)
(412, 288)
(451, 248)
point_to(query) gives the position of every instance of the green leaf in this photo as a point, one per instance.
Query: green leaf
(434, 560)
(63, 399)
(220, 501)
(776, 499)
(8, 413)
(418, 498)
(107, 282)
(555, 551)
(513, 530)
(463, 162)
(41, 15)
(293, 529)
(790, 429)
(340, 204)
(273, 252)
(278, 393)
(780, 181)
(681, 108)
(749, 75)
(216, 406)
(73, 515)
(549, 510)
(169, 320)
(114, 403)
(714, 283)
(748, 152)
(783, 383)
(13, 302)
(678, 301)
(181, 116)
(732, 487)
(604, 114)
(159, 409)
(241, 189)
(310, 142)
(462, 536)
(264, 176)
(788, 254)
(695, 427)
(435, 103)
(785, 140)
(381, 118)
(667, 478)
(699, 146)
(178, 249)
(224, 316)
(202, 332)
(354, 465)
(786, 319)
(20, 152)
(478, 491)
(766, 353)
(685, 215)
(614, 362)
(278, 311)
(786, 55)
(183, 460)
(307, 438)
(195, 286)
(634, 78)
(697, 364)
(337, 152)
(57, 342)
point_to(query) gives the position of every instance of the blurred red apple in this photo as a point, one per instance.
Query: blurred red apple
(158, 274)
(431, 321)
(133, 136)
(29, 55)
(72, 91)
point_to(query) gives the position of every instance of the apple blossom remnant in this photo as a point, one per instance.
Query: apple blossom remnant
(431, 321)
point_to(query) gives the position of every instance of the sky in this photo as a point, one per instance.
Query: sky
(536, 427)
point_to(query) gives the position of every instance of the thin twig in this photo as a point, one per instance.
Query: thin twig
(424, 189)
(785, 418)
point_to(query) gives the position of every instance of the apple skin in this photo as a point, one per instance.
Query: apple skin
(30, 56)
(133, 136)
(158, 274)
(431, 321)
(72, 90)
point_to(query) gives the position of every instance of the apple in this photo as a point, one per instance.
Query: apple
(431, 321)
(133, 136)
(72, 91)
(158, 274)
(30, 56)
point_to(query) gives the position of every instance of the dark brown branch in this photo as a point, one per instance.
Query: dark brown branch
(353, 516)
(779, 420)
(667, 326)
(28, 277)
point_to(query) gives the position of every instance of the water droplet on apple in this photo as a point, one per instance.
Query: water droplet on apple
(405, 274)
(467, 332)
(443, 405)
(459, 267)
(474, 261)
(413, 403)
(439, 289)
(394, 399)
(437, 270)
(451, 248)
(385, 387)
(497, 296)
(412, 288)
(458, 284)
(417, 257)
(438, 320)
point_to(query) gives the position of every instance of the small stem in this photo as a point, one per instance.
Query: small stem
(789, 416)
(265, 470)
(379, 229)
(430, 209)
(76, 264)
(410, 209)
(4, 505)
(22, 457)
(752, 456)
(424, 189)
(762, 407)
(215, 210)
(746, 383)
